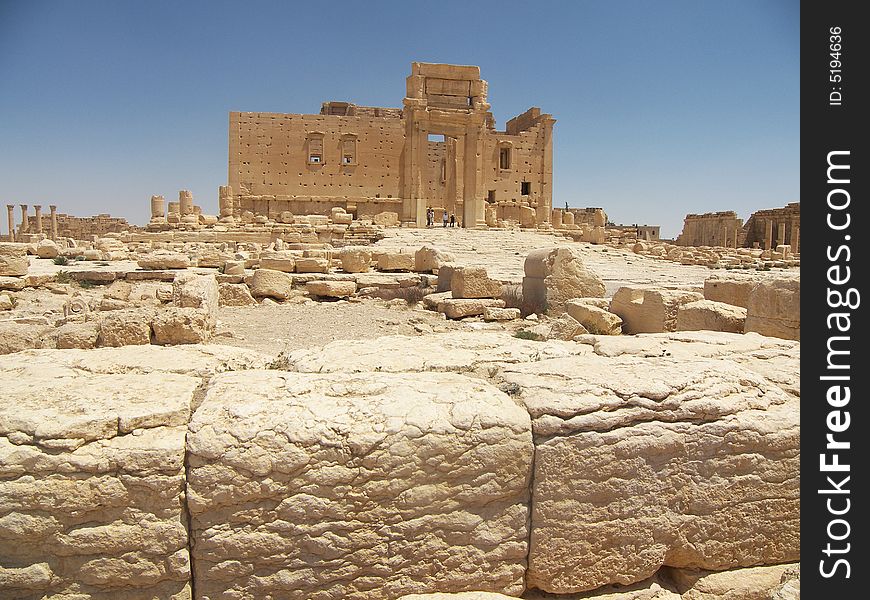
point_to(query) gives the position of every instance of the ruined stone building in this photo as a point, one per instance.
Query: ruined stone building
(774, 226)
(765, 229)
(440, 150)
(712, 229)
(56, 225)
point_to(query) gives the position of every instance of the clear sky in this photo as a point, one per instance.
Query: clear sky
(663, 107)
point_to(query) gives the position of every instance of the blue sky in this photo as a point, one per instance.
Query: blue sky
(662, 108)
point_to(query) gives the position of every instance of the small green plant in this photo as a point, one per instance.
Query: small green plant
(84, 283)
(60, 260)
(525, 335)
(80, 257)
(62, 276)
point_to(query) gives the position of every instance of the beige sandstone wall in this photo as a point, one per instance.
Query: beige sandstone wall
(269, 157)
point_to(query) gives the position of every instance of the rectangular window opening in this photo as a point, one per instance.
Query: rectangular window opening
(525, 188)
(504, 158)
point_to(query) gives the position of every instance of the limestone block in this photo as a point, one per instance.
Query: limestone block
(176, 325)
(312, 265)
(6, 302)
(594, 235)
(370, 487)
(13, 264)
(271, 284)
(711, 316)
(454, 351)
(47, 249)
(459, 308)
(124, 327)
(730, 289)
(119, 290)
(473, 282)
(790, 585)
(774, 308)
(642, 461)
(594, 318)
(15, 337)
(284, 261)
(13, 284)
(113, 304)
(565, 327)
(491, 313)
(555, 275)
(234, 267)
(164, 260)
(386, 219)
(92, 483)
(445, 276)
(13, 249)
(213, 259)
(342, 218)
(190, 290)
(649, 310)
(754, 583)
(396, 261)
(429, 259)
(235, 294)
(431, 301)
(331, 289)
(78, 335)
(355, 259)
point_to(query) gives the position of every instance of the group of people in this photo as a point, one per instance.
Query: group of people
(445, 218)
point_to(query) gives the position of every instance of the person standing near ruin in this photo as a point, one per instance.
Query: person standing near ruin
(444, 218)
(452, 219)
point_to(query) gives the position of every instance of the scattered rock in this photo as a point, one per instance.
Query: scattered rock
(267, 283)
(710, 315)
(555, 275)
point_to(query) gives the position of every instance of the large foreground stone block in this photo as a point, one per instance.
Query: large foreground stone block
(368, 486)
(92, 483)
(650, 310)
(774, 308)
(645, 462)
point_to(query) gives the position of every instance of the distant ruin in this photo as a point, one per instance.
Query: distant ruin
(440, 150)
(766, 229)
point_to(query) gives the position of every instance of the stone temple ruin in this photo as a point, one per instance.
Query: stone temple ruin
(309, 395)
(440, 150)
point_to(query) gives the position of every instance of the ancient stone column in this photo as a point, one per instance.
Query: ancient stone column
(768, 234)
(557, 218)
(53, 208)
(10, 219)
(780, 234)
(225, 202)
(158, 209)
(185, 201)
(38, 209)
(25, 226)
(795, 237)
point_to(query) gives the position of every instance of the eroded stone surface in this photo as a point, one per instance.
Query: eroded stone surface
(370, 486)
(92, 482)
(644, 462)
(454, 351)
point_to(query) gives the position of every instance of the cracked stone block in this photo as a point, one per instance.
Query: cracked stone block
(365, 486)
(459, 351)
(645, 461)
(92, 481)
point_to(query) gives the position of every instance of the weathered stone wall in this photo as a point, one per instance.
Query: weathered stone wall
(376, 469)
(712, 229)
(269, 159)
